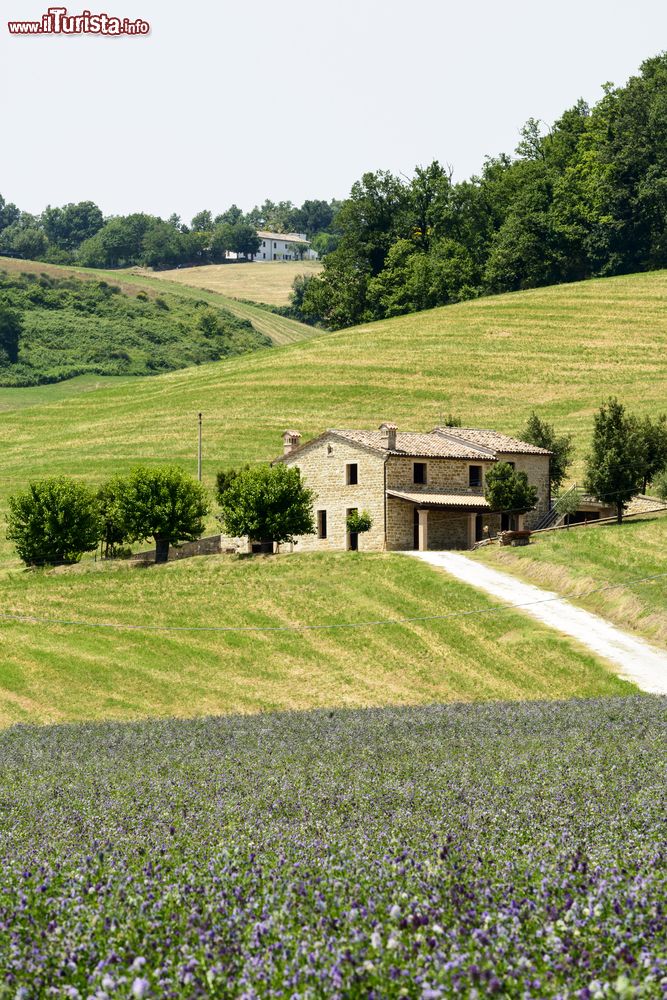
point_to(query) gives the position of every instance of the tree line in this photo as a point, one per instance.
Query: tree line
(583, 198)
(79, 233)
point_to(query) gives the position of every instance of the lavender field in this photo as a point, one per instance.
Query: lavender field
(509, 850)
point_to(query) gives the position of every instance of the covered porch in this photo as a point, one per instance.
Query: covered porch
(429, 520)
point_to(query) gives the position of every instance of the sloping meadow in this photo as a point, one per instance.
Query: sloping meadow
(508, 850)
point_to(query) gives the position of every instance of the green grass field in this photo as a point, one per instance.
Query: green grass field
(58, 673)
(581, 559)
(268, 281)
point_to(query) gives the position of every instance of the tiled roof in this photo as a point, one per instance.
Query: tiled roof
(431, 498)
(493, 440)
(415, 445)
(286, 237)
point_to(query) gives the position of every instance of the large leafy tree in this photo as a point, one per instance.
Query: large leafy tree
(508, 490)
(268, 504)
(616, 463)
(543, 435)
(54, 521)
(163, 503)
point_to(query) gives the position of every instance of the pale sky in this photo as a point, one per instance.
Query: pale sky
(239, 101)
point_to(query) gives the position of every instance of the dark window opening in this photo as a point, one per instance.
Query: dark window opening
(415, 530)
(419, 473)
(475, 475)
(352, 476)
(321, 524)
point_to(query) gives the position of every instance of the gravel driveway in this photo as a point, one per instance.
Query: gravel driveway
(640, 662)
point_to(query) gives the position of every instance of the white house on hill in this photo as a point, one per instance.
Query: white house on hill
(282, 246)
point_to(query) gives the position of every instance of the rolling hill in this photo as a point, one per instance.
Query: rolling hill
(560, 350)
(61, 673)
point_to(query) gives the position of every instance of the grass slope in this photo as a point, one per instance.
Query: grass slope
(560, 350)
(61, 673)
(576, 561)
(279, 329)
(508, 851)
(267, 281)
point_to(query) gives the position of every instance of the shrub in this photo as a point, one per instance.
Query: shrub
(359, 523)
(54, 521)
(660, 485)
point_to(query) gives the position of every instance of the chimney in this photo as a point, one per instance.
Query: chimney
(389, 436)
(290, 441)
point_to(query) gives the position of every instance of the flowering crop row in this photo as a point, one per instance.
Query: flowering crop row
(509, 850)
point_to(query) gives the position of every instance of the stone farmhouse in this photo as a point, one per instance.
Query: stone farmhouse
(422, 490)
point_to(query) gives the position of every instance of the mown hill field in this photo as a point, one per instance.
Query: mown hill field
(65, 672)
(268, 281)
(576, 561)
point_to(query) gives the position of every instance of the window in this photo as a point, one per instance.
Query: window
(263, 243)
(321, 524)
(419, 473)
(352, 474)
(275, 246)
(474, 475)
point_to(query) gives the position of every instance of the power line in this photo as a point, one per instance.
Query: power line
(38, 620)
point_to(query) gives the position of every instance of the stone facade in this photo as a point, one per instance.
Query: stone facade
(347, 475)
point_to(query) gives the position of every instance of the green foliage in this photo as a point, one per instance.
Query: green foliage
(114, 530)
(617, 460)
(70, 327)
(54, 521)
(163, 503)
(68, 227)
(225, 478)
(543, 435)
(11, 327)
(359, 522)
(660, 485)
(567, 503)
(268, 503)
(509, 490)
(654, 437)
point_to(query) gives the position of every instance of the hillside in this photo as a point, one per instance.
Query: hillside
(62, 673)
(269, 281)
(491, 361)
(279, 329)
(574, 562)
(72, 327)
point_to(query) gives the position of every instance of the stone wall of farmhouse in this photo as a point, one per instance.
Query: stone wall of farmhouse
(441, 473)
(323, 470)
(536, 468)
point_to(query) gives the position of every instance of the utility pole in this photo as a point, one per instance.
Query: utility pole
(199, 453)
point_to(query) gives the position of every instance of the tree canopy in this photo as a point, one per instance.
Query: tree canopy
(616, 463)
(267, 503)
(54, 521)
(508, 490)
(163, 503)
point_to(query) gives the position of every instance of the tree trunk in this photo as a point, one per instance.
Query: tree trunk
(161, 550)
(619, 513)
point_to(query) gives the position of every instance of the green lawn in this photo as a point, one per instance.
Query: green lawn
(58, 673)
(581, 559)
